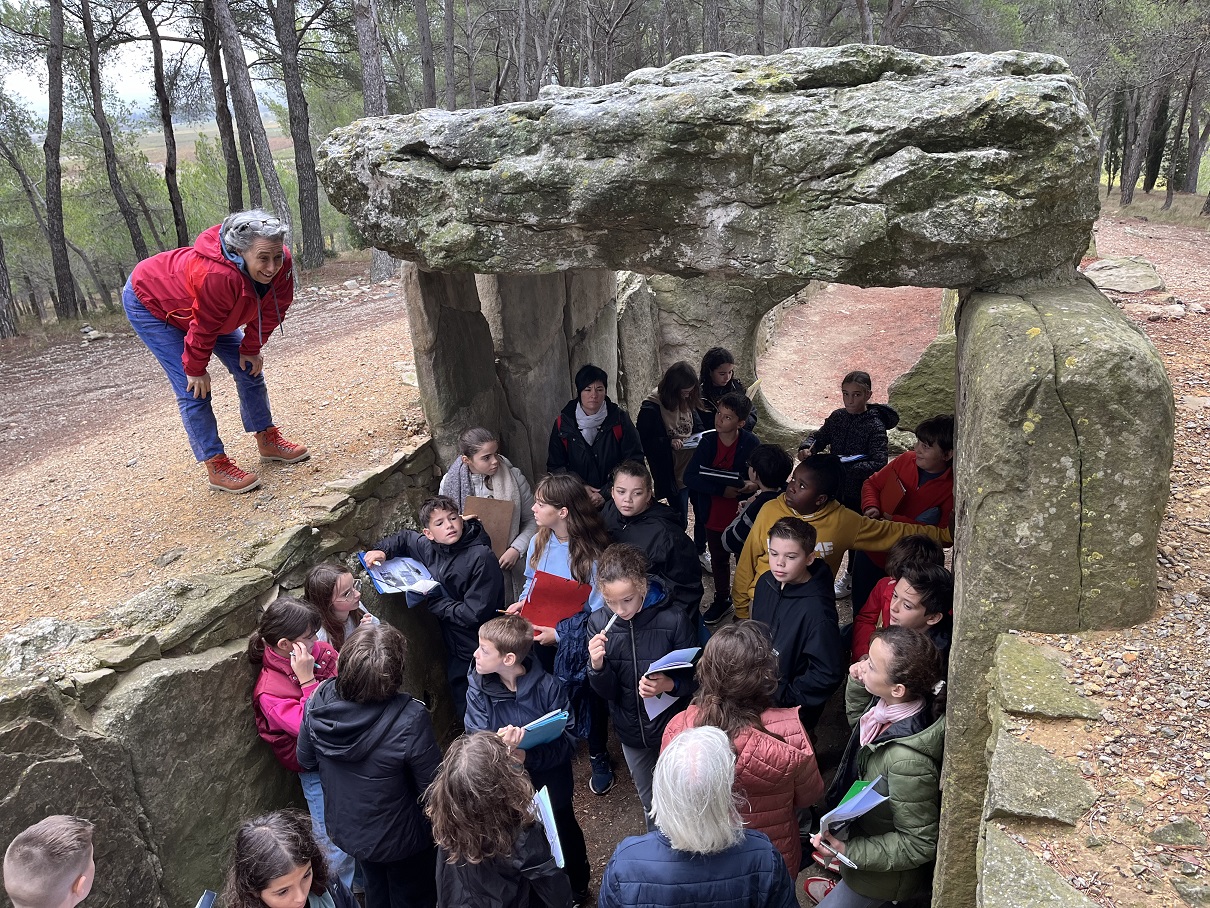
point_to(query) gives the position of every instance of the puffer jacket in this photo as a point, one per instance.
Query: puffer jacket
(893, 845)
(615, 441)
(527, 878)
(646, 870)
(657, 533)
(278, 700)
(631, 646)
(202, 290)
(772, 777)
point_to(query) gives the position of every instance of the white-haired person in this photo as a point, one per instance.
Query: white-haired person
(221, 297)
(699, 853)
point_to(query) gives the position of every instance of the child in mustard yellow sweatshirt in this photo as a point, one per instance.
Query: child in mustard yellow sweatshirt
(811, 495)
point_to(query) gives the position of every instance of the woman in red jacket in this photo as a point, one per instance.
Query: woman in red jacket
(775, 769)
(223, 295)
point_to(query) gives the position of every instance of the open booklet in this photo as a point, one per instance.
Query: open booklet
(544, 729)
(860, 799)
(546, 814)
(695, 439)
(402, 575)
(677, 660)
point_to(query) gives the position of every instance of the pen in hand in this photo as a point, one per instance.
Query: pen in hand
(609, 623)
(840, 857)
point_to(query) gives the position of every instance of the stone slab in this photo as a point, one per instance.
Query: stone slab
(1029, 681)
(1012, 876)
(1026, 781)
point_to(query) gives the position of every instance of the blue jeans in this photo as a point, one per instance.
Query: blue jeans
(167, 344)
(340, 863)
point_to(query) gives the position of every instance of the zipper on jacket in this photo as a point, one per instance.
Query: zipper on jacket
(634, 655)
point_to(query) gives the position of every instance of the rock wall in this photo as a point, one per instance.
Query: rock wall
(1064, 438)
(147, 730)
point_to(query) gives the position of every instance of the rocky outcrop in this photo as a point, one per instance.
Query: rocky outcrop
(927, 389)
(1124, 275)
(864, 165)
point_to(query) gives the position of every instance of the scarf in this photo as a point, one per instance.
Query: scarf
(884, 714)
(459, 483)
(590, 425)
(678, 423)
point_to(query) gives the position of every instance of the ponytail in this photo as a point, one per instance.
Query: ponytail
(285, 618)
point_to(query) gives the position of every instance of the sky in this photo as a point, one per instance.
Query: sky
(125, 73)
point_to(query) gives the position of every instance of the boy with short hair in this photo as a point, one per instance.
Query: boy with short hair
(50, 864)
(458, 553)
(795, 598)
(632, 515)
(509, 689)
(811, 495)
(876, 613)
(923, 601)
(769, 467)
(718, 477)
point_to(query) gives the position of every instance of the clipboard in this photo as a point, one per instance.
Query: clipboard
(892, 494)
(496, 517)
(553, 598)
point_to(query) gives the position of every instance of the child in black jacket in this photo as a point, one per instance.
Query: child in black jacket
(769, 467)
(794, 597)
(646, 626)
(458, 553)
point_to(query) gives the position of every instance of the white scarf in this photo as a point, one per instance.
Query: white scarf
(590, 425)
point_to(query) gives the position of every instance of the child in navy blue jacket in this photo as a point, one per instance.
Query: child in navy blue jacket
(508, 688)
(718, 478)
(458, 553)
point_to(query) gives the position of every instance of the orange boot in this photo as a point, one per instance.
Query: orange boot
(225, 476)
(275, 446)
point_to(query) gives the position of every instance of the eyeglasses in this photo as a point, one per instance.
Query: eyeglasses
(272, 223)
(355, 588)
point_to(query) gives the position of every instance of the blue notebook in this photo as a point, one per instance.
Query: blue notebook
(545, 729)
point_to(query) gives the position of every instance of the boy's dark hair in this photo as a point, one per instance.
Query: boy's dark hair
(772, 465)
(914, 549)
(622, 562)
(589, 374)
(827, 471)
(636, 470)
(937, 430)
(916, 664)
(370, 668)
(795, 529)
(509, 634)
(436, 503)
(934, 584)
(680, 376)
(737, 403)
(858, 377)
(269, 847)
(285, 618)
(45, 859)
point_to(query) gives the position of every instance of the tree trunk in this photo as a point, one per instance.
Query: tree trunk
(256, 198)
(1156, 142)
(8, 307)
(34, 299)
(1170, 178)
(1135, 148)
(867, 21)
(222, 114)
(246, 110)
(311, 255)
(451, 82)
(148, 217)
(760, 26)
(896, 14)
(471, 57)
(522, 56)
(427, 68)
(66, 305)
(129, 215)
(710, 26)
(165, 106)
(374, 100)
(1197, 139)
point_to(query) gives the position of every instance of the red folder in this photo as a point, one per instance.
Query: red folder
(892, 495)
(553, 598)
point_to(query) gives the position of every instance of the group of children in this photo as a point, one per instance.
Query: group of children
(390, 813)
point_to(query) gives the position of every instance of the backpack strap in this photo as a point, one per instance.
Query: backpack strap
(562, 435)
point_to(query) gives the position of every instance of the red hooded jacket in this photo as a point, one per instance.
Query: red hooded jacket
(201, 291)
(279, 701)
(937, 492)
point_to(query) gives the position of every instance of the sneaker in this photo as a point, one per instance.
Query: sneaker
(275, 446)
(818, 887)
(225, 476)
(718, 610)
(602, 774)
(704, 558)
(844, 585)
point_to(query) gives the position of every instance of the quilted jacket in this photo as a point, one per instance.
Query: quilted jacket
(772, 777)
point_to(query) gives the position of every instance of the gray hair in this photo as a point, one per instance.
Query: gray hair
(691, 799)
(241, 229)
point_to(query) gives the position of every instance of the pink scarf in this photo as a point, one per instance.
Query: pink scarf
(883, 714)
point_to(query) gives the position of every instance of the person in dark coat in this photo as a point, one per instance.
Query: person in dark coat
(632, 516)
(700, 853)
(376, 754)
(592, 435)
(795, 599)
(458, 553)
(667, 419)
(648, 627)
(492, 851)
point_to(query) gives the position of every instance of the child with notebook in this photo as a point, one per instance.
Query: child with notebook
(508, 690)
(458, 553)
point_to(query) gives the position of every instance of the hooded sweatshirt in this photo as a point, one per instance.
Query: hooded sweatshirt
(837, 529)
(811, 661)
(203, 290)
(375, 760)
(657, 533)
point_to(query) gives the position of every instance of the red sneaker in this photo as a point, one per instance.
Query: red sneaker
(818, 887)
(225, 476)
(275, 446)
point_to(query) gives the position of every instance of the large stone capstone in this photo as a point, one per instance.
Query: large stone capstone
(864, 165)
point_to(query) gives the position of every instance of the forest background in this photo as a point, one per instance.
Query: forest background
(239, 93)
